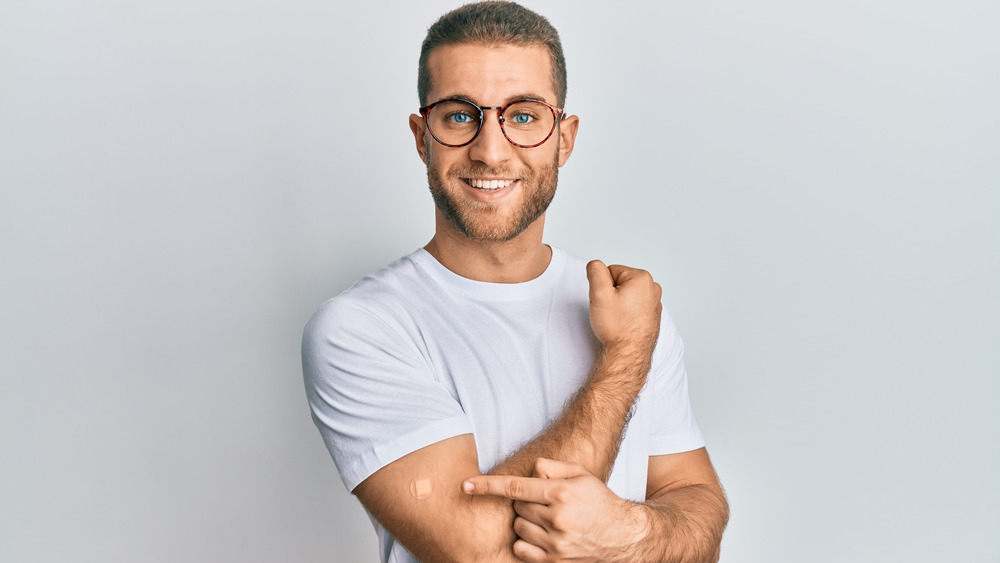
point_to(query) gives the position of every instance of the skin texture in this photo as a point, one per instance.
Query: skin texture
(548, 501)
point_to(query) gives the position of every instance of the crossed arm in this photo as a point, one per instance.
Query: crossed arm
(565, 513)
(437, 504)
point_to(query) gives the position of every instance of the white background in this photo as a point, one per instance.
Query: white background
(182, 183)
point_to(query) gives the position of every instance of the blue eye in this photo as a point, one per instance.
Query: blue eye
(460, 118)
(522, 119)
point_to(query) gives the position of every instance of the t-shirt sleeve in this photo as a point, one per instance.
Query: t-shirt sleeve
(372, 395)
(674, 427)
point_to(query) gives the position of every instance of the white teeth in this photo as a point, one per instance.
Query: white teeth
(489, 184)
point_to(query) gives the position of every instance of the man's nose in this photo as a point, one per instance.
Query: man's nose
(491, 147)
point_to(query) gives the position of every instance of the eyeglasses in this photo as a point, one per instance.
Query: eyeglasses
(525, 123)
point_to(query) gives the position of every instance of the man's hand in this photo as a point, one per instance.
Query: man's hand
(564, 513)
(624, 306)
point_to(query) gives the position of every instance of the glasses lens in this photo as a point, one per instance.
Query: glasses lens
(454, 122)
(528, 123)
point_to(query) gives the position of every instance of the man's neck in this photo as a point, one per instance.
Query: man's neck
(521, 259)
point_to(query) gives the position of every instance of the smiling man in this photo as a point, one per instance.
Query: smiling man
(488, 397)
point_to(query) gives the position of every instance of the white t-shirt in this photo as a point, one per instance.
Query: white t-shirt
(414, 354)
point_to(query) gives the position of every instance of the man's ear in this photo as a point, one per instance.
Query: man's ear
(419, 135)
(567, 137)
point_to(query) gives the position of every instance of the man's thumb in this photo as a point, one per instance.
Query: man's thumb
(599, 277)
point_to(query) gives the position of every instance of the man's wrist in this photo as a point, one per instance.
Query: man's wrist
(625, 358)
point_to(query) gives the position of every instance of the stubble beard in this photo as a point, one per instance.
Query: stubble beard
(483, 221)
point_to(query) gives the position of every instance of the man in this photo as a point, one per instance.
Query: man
(489, 398)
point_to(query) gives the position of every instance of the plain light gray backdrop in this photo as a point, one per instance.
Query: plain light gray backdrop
(183, 183)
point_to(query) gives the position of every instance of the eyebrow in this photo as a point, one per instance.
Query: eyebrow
(522, 96)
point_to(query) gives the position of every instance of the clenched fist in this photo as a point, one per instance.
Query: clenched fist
(624, 306)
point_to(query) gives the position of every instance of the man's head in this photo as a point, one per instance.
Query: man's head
(493, 23)
(492, 54)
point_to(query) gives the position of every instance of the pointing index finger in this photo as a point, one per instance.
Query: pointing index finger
(518, 488)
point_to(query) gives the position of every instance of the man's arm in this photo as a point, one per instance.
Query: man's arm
(565, 513)
(443, 524)
(686, 508)
(625, 314)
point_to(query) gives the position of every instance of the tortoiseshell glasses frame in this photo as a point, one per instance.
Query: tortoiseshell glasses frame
(557, 115)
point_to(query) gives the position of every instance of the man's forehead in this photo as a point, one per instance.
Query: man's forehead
(491, 74)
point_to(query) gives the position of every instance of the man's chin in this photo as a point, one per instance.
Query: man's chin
(488, 229)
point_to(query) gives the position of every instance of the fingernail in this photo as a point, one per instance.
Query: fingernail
(468, 487)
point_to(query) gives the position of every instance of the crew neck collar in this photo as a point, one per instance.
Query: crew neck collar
(491, 290)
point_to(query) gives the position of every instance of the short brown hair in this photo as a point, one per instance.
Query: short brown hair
(493, 23)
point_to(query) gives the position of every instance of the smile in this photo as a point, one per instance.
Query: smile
(483, 184)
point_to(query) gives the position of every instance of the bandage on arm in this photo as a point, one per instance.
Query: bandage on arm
(421, 487)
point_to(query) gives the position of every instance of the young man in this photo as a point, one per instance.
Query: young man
(489, 398)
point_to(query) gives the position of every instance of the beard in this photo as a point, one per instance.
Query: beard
(486, 221)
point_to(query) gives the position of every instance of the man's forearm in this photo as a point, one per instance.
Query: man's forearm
(683, 525)
(590, 428)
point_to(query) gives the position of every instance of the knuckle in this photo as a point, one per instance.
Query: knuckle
(561, 495)
(560, 545)
(514, 488)
(539, 467)
(559, 521)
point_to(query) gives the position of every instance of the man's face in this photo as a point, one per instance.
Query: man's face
(462, 178)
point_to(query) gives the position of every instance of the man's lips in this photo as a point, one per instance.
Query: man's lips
(489, 183)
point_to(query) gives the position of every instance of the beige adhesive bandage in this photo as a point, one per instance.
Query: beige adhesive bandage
(421, 487)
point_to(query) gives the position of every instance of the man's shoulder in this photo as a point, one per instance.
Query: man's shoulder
(395, 280)
(574, 271)
(398, 286)
(573, 262)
